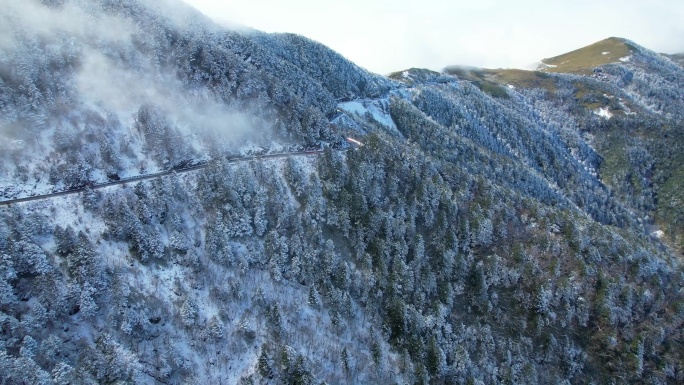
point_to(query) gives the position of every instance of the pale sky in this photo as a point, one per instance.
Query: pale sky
(385, 36)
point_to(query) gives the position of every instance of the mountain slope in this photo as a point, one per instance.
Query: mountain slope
(611, 50)
(677, 58)
(637, 130)
(470, 236)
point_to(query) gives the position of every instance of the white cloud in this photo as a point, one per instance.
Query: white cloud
(110, 86)
(101, 82)
(33, 18)
(386, 36)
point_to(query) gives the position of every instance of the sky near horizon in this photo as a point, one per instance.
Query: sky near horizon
(385, 36)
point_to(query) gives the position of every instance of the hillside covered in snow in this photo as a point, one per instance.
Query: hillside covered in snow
(217, 226)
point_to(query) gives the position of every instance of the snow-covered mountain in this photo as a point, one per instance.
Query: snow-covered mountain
(199, 217)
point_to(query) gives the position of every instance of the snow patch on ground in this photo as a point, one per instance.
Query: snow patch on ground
(604, 113)
(402, 93)
(605, 53)
(377, 108)
(69, 211)
(625, 107)
(625, 59)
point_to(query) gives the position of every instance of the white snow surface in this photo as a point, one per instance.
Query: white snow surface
(604, 113)
(377, 108)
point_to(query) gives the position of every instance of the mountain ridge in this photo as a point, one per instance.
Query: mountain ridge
(609, 87)
(469, 226)
(583, 60)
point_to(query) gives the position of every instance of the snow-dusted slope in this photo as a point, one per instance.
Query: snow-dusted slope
(107, 90)
(470, 239)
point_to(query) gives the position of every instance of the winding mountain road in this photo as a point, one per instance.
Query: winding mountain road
(160, 174)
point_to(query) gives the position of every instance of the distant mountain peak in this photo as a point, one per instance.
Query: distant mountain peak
(415, 75)
(583, 60)
(677, 58)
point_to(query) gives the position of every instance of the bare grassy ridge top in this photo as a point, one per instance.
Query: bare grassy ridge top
(401, 75)
(413, 75)
(515, 77)
(583, 60)
(522, 78)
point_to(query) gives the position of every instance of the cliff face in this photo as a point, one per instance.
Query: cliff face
(483, 226)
